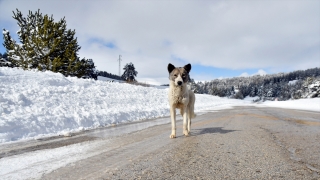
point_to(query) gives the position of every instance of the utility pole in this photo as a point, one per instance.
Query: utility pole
(119, 64)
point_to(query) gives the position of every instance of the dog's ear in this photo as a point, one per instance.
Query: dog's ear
(187, 67)
(170, 67)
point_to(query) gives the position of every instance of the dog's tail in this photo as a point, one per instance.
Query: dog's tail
(191, 104)
(191, 110)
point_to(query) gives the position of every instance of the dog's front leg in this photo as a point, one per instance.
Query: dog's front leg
(185, 120)
(173, 122)
(189, 120)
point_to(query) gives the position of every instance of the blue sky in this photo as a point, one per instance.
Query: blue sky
(2, 49)
(219, 38)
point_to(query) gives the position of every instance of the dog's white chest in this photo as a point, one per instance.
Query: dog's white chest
(178, 99)
(177, 96)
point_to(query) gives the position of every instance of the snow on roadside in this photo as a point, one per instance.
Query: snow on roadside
(34, 104)
(302, 104)
(45, 103)
(32, 165)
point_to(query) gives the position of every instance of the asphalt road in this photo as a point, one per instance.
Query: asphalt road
(238, 143)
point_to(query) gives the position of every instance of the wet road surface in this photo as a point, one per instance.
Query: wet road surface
(239, 143)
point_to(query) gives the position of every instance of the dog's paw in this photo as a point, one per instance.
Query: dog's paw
(188, 130)
(186, 133)
(172, 136)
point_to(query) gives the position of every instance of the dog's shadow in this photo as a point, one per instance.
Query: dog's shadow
(211, 130)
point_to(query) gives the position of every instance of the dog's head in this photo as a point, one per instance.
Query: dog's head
(179, 75)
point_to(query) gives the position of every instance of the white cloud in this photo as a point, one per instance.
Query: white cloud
(245, 74)
(260, 72)
(222, 34)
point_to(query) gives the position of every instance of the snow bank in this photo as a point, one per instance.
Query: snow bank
(34, 104)
(45, 103)
(293, 82)
(303, 104)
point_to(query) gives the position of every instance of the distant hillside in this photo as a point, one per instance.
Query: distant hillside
(109, 75)
(281, 86)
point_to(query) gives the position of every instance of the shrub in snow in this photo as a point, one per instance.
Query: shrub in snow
(296, 95)
(238, 95)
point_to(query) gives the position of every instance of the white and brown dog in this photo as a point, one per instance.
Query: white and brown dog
(180, 97)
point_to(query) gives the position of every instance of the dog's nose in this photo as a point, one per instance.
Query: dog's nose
(179, 83)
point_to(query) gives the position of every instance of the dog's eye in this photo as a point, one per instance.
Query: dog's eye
(175, 75)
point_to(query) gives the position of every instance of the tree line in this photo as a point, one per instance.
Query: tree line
(281, 86)
(108, 75)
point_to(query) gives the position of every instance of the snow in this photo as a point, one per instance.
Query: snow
(314, 85)
(251, 98)
(261, 72)
(35, 104)
(293, 82)
(302, 104)
(33, 165)
(5, 31)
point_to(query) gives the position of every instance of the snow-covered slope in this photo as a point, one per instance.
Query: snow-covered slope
(34, 104)
(312, 104)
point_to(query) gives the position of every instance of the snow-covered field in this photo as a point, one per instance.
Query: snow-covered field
(35, 104)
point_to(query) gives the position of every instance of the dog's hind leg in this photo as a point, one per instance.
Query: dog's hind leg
(173, 122)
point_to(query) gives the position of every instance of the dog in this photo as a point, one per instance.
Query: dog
(180, 97)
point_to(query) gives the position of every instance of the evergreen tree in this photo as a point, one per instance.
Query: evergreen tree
(253, 91)
(193, 85)
(5, 56)
(87, 69)
(45, 45)
(4, 61)
(10, 46)
(129, 72)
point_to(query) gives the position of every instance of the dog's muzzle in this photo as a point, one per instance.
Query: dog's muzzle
(179, 83)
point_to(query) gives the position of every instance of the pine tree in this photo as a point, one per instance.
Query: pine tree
(87, 69)
(193, 85)
(129, 72)
(45, 45)
(5, 56)
(4, 61)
